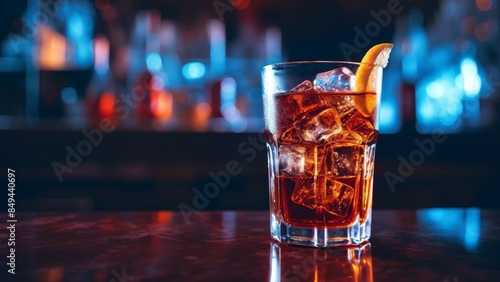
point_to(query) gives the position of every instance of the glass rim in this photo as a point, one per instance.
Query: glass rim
(285, 65)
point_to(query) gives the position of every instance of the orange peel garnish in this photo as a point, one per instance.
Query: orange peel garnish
(369, 76)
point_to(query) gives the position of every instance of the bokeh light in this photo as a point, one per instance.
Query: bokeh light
(107, 104)
(491, 25)
(240, 4)
(69, 95)
(153, 62)
(161, 104)
(482, 33)
(102, 4)
(193, 70)
(483, 5)
(469, 24)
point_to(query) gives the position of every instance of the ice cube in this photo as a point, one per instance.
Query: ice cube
(345, 137)
(357, 122)
(305, 86)
(308, 191)
(339, 79)
(344, 104)
(308, 101)
(344, 159)
(291, 105)
(318, 124)
(290, 134)
(338, 197)
(291, 159)
(300, 159)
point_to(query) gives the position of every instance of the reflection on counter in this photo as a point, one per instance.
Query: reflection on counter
(162, 246)
(456, 224)
(289, 263)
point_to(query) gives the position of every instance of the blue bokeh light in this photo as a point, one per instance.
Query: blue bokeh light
(470, 77)
(153, 62)
(69, 95)
(193, 70)
(460, 224)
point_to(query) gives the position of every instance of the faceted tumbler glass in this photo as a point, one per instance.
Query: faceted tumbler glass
(321, 128)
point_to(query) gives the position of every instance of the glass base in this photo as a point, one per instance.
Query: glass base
(355, 234)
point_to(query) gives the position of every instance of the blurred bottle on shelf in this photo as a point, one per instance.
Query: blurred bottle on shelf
(254, 46)
(215, 99)
(64, 39)
(147, 76)
(273, 45)
(56, 40)
(223, 88)
(219, 83)
(217, 41)
(223, 98)
(413, 46)
(170, 59)
(174, 92)
(78, 16)
(100, 96)
(140, 79)
(454, 85)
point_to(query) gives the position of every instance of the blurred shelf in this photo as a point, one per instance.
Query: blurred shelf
(243, 124)
(12, 64)
(159, 169)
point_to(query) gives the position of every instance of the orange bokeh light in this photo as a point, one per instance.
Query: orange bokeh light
(107, 104)
(201, 115)
(240, 4)
(469, 24)
(491, 25)
(483, 5)
(52, 48)
(164, 217)
(161, 104)
(54, 274)
(102, 4)
(482, 33)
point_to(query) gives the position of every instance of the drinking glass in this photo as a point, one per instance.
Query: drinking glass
(321, 128)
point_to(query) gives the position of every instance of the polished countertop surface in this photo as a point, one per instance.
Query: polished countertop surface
(438, 244)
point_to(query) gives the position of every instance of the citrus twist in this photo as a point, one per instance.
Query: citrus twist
(369, 76)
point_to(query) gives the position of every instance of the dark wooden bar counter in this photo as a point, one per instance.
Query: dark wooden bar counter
(406, 245)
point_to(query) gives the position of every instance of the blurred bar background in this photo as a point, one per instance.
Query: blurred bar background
(170, 75)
